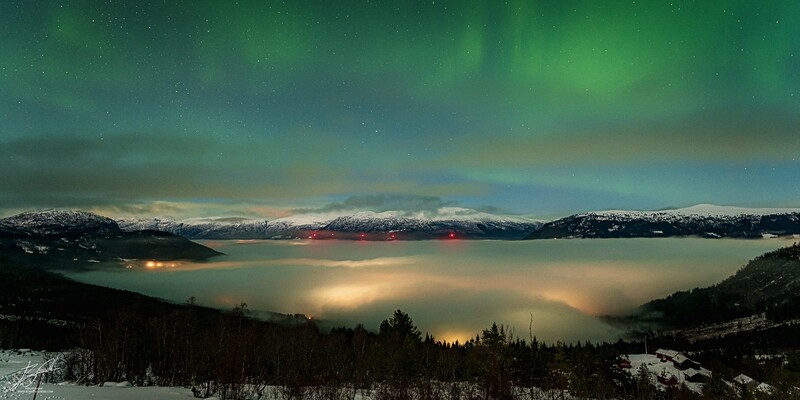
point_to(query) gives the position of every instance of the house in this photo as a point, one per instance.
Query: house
(667, 379)
(623, 362)
(745, 381)
(682, 362)
(697, 375)
(765, 388)
(666, 355)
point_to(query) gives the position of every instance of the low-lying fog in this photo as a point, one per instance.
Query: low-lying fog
(451, 288)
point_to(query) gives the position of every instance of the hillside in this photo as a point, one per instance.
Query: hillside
(42, 309)
(66, 239)
(769, 284)
(703, 220)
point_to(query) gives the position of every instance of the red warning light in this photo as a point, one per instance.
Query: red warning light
(452, 235)
(314, 235)
(363, 236)
(392, 236)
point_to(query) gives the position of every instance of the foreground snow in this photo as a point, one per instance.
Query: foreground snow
(73, 392)
(20, 371)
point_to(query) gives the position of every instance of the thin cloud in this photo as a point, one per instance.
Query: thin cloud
(380, 203)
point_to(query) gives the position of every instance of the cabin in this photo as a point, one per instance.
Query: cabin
(666, 355)
(682, 362)
(745, 381)
(668, 380)
(701, 375)
(765, 388)
(624, 363)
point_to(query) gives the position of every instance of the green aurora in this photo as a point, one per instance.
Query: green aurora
(539, 107)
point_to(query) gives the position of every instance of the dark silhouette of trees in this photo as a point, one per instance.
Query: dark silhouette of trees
(233, 356)
(400, 343)
(493, 356)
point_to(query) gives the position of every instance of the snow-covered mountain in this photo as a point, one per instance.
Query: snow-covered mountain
(368, 225)
(69, 239)
(703, 220)
(58, 222)
(200, 228)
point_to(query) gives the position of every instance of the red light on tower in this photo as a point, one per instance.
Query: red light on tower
(363, 236)
(392, 236)
(452, 235)
(314, 235)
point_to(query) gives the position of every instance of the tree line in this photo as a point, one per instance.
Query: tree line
(232, 356)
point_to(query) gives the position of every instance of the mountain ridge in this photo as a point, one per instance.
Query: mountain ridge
(69, 239)
(362, 225)
(703, 220)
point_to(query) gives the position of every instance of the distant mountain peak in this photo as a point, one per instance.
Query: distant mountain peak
(353, 224)
(55, 221)
(707, 220)
(713, 209)
(72, 239)
(702, 210)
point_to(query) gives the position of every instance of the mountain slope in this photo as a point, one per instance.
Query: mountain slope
(56, 222)
(366, 225)
(768, 284)
(65, 239)
(701, 220)
(201, 228)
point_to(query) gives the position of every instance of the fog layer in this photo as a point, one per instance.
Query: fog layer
(452, 289)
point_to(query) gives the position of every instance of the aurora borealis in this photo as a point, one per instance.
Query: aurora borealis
(536, 107)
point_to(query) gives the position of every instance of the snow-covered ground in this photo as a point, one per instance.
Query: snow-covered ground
(20, 371)
(15, 360)
(73, 392)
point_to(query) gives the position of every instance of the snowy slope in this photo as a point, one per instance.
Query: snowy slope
(699, 210)
(702, 220)
(200, 228)
(68, 239)
(467, 223)
(53, 222)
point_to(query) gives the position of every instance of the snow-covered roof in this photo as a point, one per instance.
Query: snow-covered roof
(743, 379)
(692, 372)
(680, 358)
(765, 388)
(668, 353)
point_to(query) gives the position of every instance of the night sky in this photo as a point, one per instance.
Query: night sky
(535, 107)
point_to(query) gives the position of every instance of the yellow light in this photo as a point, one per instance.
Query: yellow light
(352, 296)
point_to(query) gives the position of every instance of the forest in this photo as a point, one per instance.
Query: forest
(232, 356)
